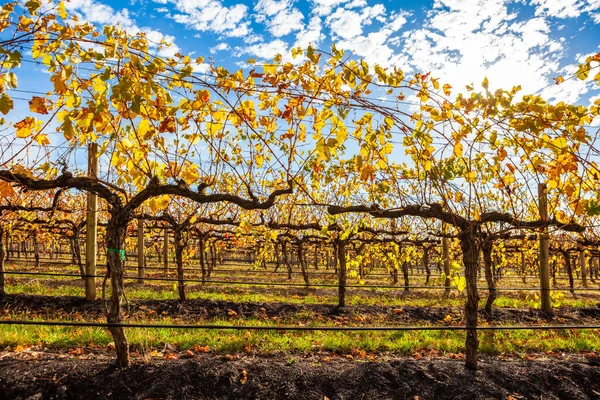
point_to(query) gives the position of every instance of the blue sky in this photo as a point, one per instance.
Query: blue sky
(525, 43)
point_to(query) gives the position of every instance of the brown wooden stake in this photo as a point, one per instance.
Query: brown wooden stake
(91, 233)
(446, 256)
(544, 251)
(140, 249)
(583, 267)
(166, 250)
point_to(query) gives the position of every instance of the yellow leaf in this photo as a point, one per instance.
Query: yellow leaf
(41, 139)
(259, 158)
(389, 122)
(446, 89)
(6, 104)
(270, 69)
(471, 177)
(485, 84)
(190, 174)
(25, 127)
(560, 143)
(6, 189)
(62, 12)
(38, 105)
(159, 203)
(126, 143)
(458, 149)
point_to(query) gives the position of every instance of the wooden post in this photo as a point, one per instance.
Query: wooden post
(523, 267)
(446, 257)
(91, 233)
(140, 249)
(2, 288)
(166, 249)
(341, 252)
(583, 267)
(544, 250)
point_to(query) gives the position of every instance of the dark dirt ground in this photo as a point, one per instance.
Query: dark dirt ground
(60, 374)
(202, 309)
(208, 376)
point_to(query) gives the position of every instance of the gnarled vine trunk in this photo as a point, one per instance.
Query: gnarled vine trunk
(36, 249)
(446, 265)
(426, 265)
(341, 256)
(276, 246)
(2, 255)
(406, 276)
(213, 258)
(179, 248)
(286, 259)
(486, 249)
(77, 253)
(569, 268)
(470, 253)
(115, 240)
(201, 258)
(302, 262)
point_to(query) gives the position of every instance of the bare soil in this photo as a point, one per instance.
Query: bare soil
(90, 373)
(208, 376)
(202, 309)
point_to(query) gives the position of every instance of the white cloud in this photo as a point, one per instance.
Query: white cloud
(311, 35)
(397, 20)
(596, 121)
(102, 14)
(465, 41)
(279, 16)
(220, 47)
(267, 51)
(325, 7)
(253, 38)
(373, 47)
(212, 16)
(348, 23)
(269, 8)
(564, 8)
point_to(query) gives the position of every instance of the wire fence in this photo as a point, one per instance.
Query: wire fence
(299, 284)
(323, 271)
(303, 328)
(313, 272)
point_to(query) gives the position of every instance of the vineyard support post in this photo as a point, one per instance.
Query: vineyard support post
(2, 255)
(341, 257)
(140, 249)
(446, 256)
(165, 249)
(583, 267)
(91, 233)
(544, 250)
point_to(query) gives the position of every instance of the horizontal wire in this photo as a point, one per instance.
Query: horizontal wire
(301, 328)
(291, 284)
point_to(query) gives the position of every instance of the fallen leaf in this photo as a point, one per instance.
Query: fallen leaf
(77, 352)
(201, 349)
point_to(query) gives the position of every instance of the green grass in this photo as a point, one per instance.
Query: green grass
(231, 341)
(371, 297)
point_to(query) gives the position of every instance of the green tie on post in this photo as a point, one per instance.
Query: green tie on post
(120, 251)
